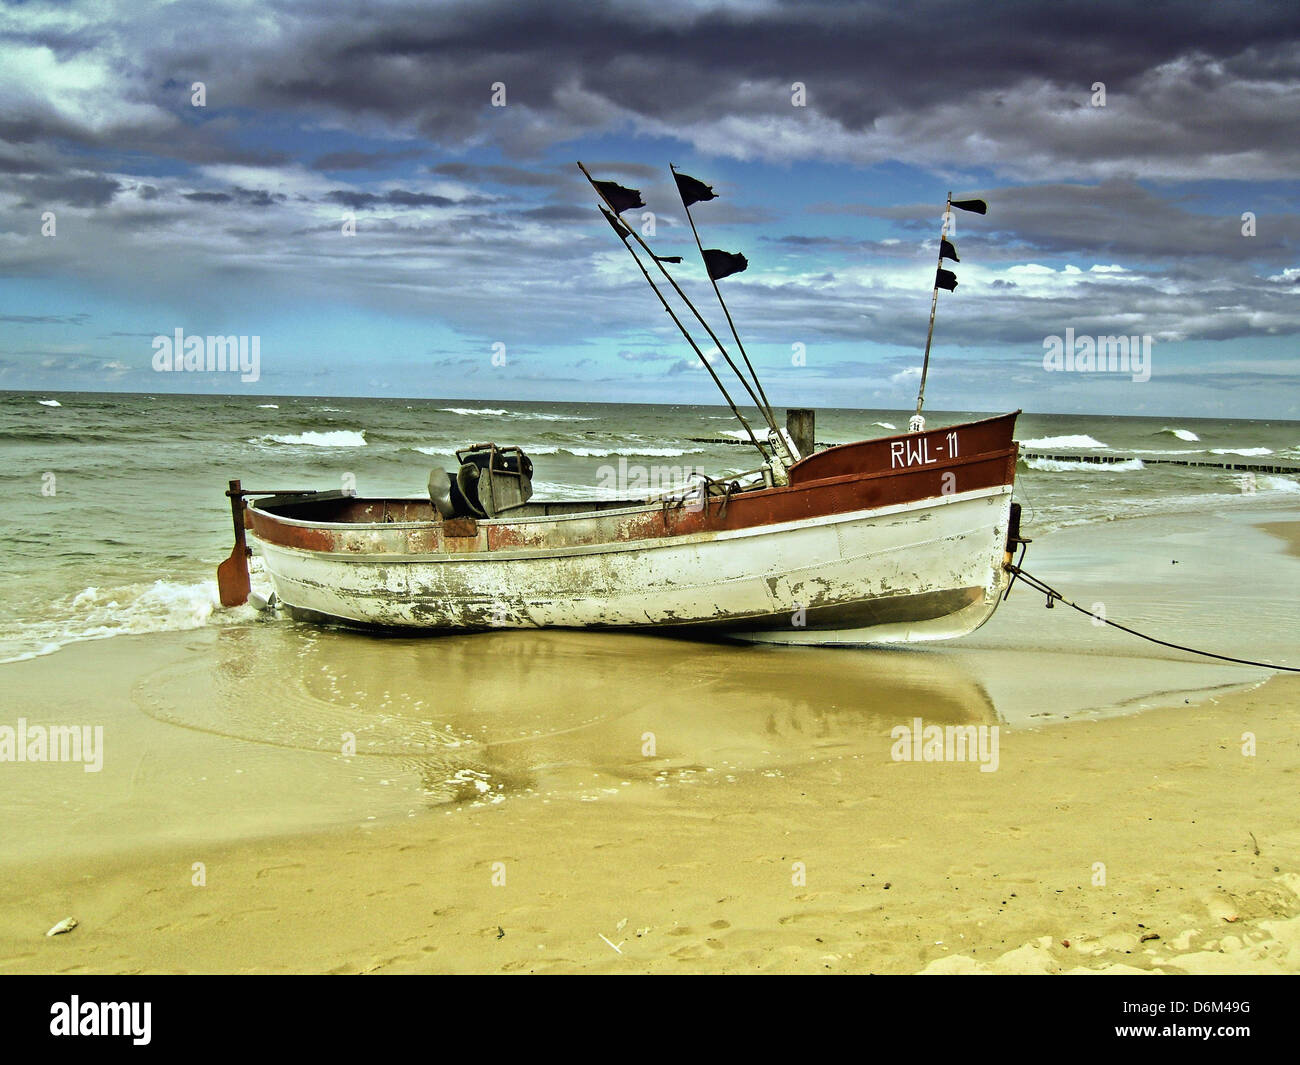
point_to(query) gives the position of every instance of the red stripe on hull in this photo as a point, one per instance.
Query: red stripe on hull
(866, 475)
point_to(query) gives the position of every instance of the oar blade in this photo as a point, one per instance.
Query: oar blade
(233, 584)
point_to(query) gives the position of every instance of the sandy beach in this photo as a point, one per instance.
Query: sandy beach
(578, 803)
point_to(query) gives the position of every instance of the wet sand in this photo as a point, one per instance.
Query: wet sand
(513, 802)
(1286, 531)
(909, 867)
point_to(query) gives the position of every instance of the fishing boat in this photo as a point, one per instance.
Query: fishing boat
(897, 539)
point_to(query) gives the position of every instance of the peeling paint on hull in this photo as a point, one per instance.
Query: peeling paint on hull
(926, 572)
(855, 551)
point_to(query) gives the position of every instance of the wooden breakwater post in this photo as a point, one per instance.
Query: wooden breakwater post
(1110, 460)
(801, 424)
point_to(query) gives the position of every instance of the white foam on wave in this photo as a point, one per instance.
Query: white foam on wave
(1270, 483)
(562, 492)
(1080, 441)
(523, 415)
(49, 403)
(1182, 434)
(1246, 452)
(1067, 466)
(335, 438)
(268, 406)
(631, 452)
(537, 449)
(97, 613)
(886, 425)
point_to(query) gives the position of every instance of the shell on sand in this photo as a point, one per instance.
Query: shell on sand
(66, 925)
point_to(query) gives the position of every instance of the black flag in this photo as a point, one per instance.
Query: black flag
(693, 191)
(619, 198)
(948, 250)
(623, 234)
(722, 264)
(945, 279)
(978, 206)
(619, 228)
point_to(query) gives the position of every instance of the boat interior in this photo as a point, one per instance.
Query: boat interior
(341, 509)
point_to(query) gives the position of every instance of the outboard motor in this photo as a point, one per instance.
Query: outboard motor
(490, 481)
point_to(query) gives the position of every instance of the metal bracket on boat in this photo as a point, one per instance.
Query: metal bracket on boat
(1013, 539)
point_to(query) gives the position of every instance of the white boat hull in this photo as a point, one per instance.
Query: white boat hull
(924, 570)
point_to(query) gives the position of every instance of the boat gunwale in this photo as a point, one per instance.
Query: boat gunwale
(500, 555)
(648, 507)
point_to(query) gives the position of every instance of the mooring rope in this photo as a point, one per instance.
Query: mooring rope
(1053, 594)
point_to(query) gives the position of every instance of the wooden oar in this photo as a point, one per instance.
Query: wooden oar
(232, 575)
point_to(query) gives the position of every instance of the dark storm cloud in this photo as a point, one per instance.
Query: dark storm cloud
(1174, 80)
(356, 160)
(504, 175)
(392, 198)
(559, 213)
(90, 190)
(18, 164)
(241, 196)
(1120, 218)
(1202, 91)
(1202, 82)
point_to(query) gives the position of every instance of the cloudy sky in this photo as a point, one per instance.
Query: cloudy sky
(1118, 145)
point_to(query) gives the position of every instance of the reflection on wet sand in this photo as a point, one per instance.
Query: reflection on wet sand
(479, 717)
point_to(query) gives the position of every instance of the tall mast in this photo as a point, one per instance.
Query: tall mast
(623, 233)
(765, 406)
(918, 422)
(685, 299)
(942, 279)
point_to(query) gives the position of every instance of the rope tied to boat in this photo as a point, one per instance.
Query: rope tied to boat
(1053, 596)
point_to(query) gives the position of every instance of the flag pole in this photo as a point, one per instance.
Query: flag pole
(766, 406)
(678, 289)
(918, 423)
(623, 231)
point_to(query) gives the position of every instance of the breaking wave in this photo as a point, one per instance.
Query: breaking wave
(1247, 452)
(1182, 434)
(1066, 466)
(1270, 483)
(99, 613)
(1065, 441)
(336, 438)
(523, 415)
(646, 452)
(451, 449)
(49, 403)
